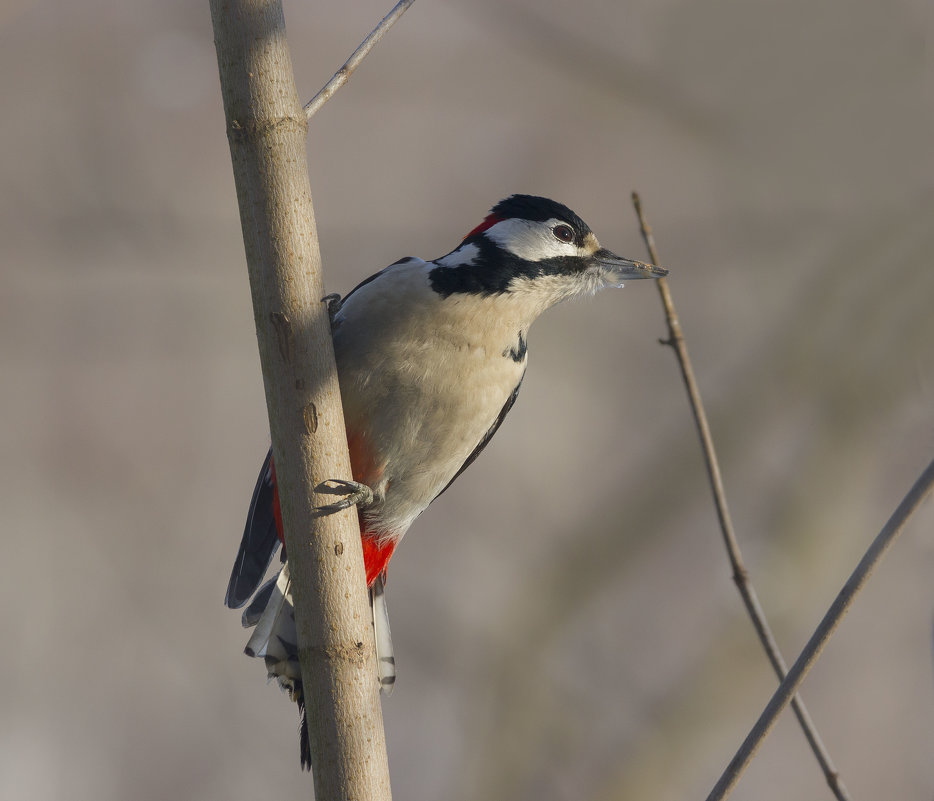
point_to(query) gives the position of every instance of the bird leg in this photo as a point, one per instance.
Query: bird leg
(354, 494)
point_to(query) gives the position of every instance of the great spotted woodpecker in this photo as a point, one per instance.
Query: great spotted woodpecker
(430, 358)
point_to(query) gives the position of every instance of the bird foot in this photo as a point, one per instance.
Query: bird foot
(333, 303)
(354, 494)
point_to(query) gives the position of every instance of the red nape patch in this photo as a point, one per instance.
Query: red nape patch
(489, 222)
(376, 557)
(276, 508)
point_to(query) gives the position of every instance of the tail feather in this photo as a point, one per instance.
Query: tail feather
(385, 659)
(304, 746)
(270, 612)
(254, 611)
(276, 618)
(274, 639)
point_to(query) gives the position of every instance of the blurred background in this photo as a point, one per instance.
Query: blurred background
(564, 620)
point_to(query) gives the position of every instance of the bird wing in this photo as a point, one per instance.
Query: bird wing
(376, 275)
(260, 539)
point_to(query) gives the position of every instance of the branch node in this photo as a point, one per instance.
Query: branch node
(285, 337)
(343, 74)
(310, 415)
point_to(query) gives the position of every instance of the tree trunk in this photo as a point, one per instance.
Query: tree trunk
(266, 128)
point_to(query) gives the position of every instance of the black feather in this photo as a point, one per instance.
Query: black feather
(304, 747)
(538, 209)
(518, 351)
(258, 546)
(254, 611)
(493, 270)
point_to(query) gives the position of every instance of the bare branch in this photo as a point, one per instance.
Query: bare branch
(740, 574)
(343, 74)
(812, 651)
(266, 129)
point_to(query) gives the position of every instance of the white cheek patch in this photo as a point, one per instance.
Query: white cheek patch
(531, 241)
(465, 254)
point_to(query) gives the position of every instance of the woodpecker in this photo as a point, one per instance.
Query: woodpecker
(430, 357)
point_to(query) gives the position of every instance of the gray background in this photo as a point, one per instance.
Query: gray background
(564, 620)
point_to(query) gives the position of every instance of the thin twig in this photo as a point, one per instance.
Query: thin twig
(343, 74)
(922, 487)
(740, 574)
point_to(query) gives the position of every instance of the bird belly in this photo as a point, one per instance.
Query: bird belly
(417, 416)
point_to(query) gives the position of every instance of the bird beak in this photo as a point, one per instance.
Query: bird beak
(626, 269)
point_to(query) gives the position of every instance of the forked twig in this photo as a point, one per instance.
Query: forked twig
(857, 580)
(343, 74)
(740, 574)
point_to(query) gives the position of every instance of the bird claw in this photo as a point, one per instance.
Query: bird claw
(355, 494)
(333, 303)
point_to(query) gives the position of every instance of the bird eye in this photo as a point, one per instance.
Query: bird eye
(563, 233)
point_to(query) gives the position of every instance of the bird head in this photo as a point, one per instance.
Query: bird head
(534, 247)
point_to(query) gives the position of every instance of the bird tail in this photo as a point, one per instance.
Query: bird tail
(385, 660)
(274, 638)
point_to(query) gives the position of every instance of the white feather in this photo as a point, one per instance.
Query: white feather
(385, 659)
(532, 241)
(267, 622)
